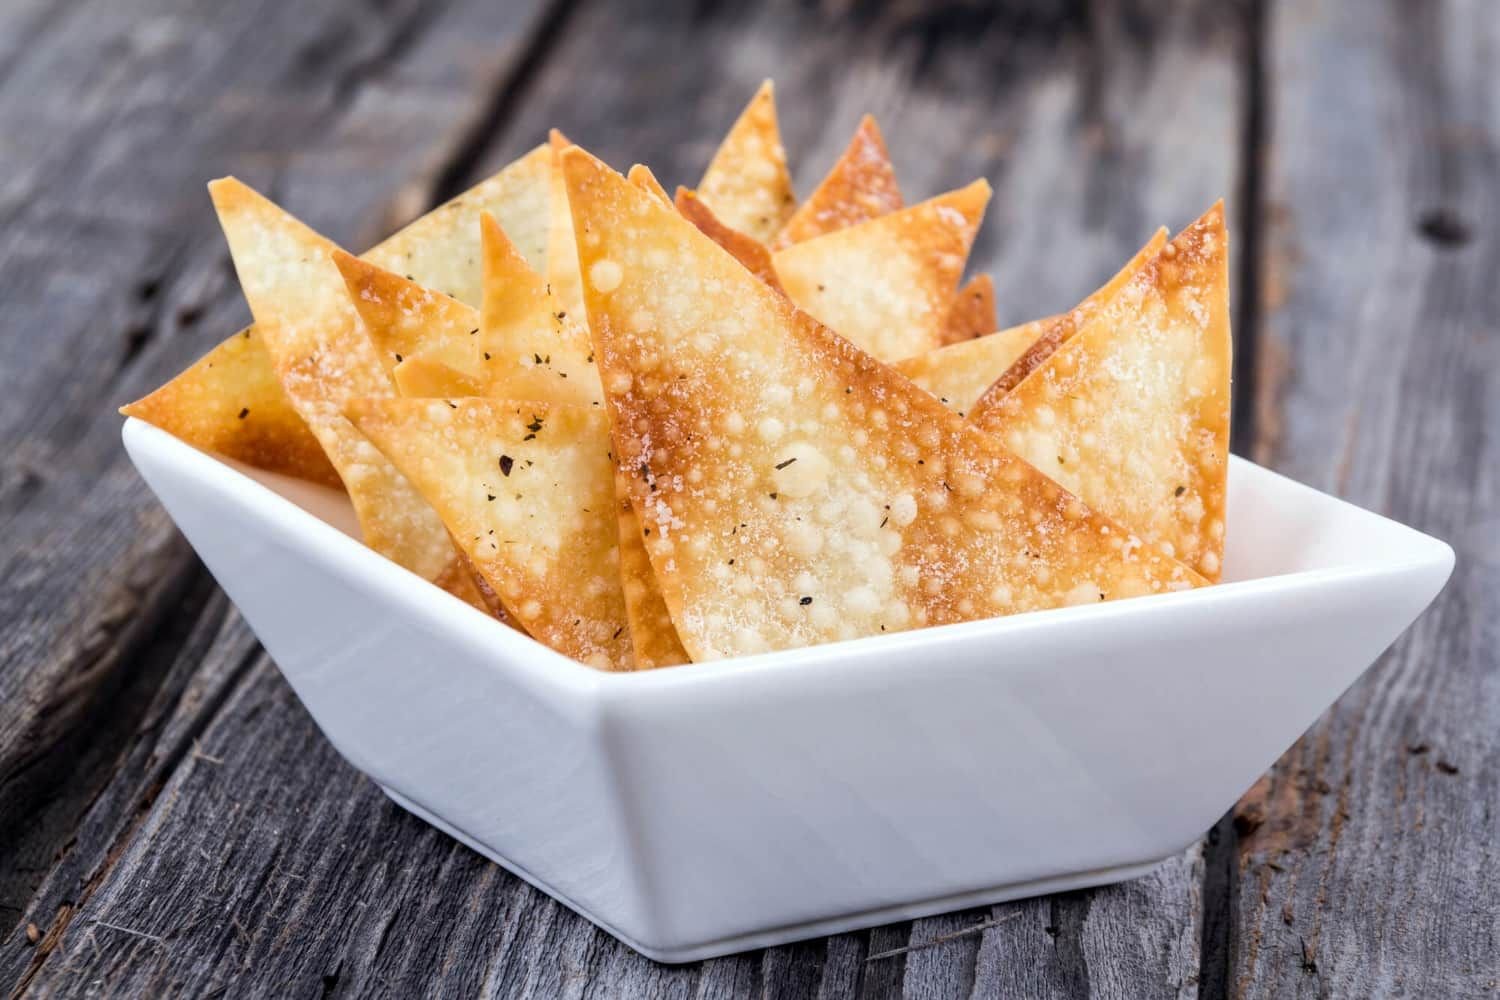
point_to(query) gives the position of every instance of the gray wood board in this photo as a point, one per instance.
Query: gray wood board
(115, 277)
(187, 829)
(1366, 859)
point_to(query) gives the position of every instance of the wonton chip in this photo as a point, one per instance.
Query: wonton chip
(747, 183)
(973, 375)
(420, 378)
(959, 373)
(203, 404)
(533, 347)
(794, 489)
(972, 313)
(1132, 412)
(860, 187)
(641, 176)
(886, 285)
(652, 634)
(440, 250)
(1059, 329)
(527, 489)
(323, 359)
(230, 402)
(748, 251)
(562, 253)
(406, 321)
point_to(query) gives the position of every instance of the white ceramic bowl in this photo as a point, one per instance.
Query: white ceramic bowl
(697, 811)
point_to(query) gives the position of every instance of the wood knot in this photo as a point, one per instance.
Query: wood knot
(1444, 228)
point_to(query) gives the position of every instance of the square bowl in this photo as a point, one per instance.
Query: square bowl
(698, 811)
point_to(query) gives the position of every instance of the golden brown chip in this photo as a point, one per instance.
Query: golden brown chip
(1132, 412)
(959, 373)
(794, 489)
(528, 492)
(323, 360)
(747, 183)
(747, 250)
(641, 176)
(652, 635)
(972, 313)
(419, 378)
(532, 347)
(230, 402)
(202, 405)
(1060, 328)
(406, 321)
(886, 284)
(860, 187)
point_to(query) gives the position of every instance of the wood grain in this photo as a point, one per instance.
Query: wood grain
(1366, 862)
(116, 276)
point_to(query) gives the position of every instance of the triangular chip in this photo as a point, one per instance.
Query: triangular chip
(441, 249)
(886, 284)
(230, 402)
(652, 634)
(562, 252)
(641, 176)
(748, 251)
(959, 373)
(323, 360)
(860, 187)
(528, 491)
(794, 489)
(1132, 413)
(438, 250)
(419, 378)
(1060, 328)
(406, 321)
(972, 313)
(972, 376)
(747, 183)
(532, 346)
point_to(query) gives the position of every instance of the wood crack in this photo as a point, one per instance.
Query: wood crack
(1249, 223)
(453, 172)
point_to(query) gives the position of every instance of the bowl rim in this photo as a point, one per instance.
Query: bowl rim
(549, 668)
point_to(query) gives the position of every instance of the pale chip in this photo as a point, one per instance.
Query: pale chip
(1060, 328)
(886, 285)
(441, 249)
(747, 184)
(527, 489)
(959, 373)
(323, 360)
(1132, 412)
(437, 250)
(861, 186)
(903, 516)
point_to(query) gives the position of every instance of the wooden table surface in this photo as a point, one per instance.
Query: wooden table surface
(171, 821)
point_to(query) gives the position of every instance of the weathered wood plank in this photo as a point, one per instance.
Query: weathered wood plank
(280, 870)
(1366, 861)
(116, 276)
